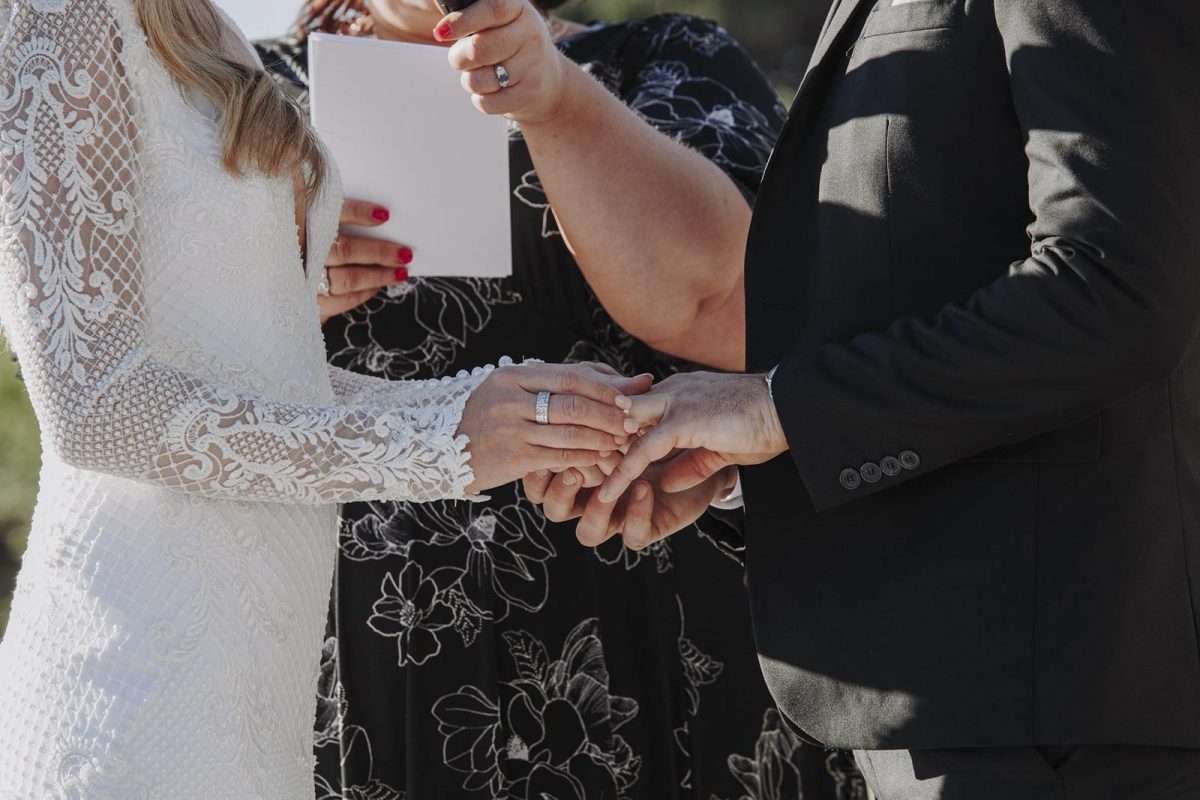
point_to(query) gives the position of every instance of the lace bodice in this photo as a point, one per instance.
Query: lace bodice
(144, 294)
(167, 622)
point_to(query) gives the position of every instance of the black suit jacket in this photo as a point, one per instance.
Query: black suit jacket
(976, 259)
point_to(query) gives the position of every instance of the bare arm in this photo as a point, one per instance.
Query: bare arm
(658, 228)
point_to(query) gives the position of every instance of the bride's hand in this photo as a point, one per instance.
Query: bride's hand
(587, 420)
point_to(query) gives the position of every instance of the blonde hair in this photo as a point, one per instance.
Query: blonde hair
(262, 128)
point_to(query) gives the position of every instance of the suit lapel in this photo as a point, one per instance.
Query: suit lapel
(835, 25)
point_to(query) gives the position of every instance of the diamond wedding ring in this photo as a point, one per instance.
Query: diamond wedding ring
(503, 76)
(541, 408)
(323, 287)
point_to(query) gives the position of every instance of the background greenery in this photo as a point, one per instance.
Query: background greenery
(779, 33)
(18, 475)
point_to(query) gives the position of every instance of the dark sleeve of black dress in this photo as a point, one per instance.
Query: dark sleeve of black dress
(696, 84)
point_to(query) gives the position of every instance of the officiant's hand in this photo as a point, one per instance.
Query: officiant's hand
(716, 420)
(359, 267)
(513, 35)
(645, 514)
(587, 420)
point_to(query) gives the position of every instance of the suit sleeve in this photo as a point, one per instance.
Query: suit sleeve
(1108, 300)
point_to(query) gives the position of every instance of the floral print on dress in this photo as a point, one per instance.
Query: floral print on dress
(565, 674)
(699, 670)
(412, 611)
(445, 313)
(357, 747)
(494, 559)
(552, 732)
(773, 771)
(776, 769)
(727, 130)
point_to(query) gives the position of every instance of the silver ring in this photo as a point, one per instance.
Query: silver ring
(323, 287)
(503, 76)
(541, 408)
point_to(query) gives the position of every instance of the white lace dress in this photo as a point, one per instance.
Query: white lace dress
(168, 619)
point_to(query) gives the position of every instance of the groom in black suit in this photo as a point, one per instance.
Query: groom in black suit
(973, 294)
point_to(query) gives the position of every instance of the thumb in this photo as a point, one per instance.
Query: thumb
(638, 384)
(690, 469)
(648, 409)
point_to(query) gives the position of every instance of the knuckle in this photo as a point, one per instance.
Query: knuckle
(568, 381)
(572, 407)
(493, 104)
(360, 210)
(473, 49)
(338, 283)
(504, 376)
(385, 253)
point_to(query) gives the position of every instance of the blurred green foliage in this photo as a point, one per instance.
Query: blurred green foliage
(19, 461)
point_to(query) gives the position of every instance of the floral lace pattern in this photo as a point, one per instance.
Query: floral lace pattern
(166, 628)
(76, 311)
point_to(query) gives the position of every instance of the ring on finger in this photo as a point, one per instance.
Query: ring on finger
(502, 76)
(541, 408)
(324, 289)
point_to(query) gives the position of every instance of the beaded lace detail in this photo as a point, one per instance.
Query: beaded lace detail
(167, 624)
(75, 307)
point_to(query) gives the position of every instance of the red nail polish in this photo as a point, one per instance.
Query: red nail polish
(443, 31)
(404, 255)
(401, 274)
(381, 215)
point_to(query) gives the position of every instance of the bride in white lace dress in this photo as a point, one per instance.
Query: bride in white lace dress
(168, 619)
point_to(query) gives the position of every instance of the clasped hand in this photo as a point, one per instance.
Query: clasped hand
(694, 429)
(587, 420)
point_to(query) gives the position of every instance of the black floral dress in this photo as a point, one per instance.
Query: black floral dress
(480, 651)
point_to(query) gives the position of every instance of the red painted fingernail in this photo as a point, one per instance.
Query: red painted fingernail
(381, 215)
(405, 255)
(401, 274)
(443, 31)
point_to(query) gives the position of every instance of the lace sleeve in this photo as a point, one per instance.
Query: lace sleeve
(71, 301)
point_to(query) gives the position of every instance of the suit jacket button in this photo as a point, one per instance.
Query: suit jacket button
(890, 466)
(910, 460)
(850, 479)
(870, 472)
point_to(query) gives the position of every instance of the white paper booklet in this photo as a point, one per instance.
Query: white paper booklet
(405, 135)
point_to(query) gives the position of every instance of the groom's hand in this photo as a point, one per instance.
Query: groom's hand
(717, 420)
(642, 516)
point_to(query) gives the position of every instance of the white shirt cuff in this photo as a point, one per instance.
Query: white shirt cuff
(734, 499)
